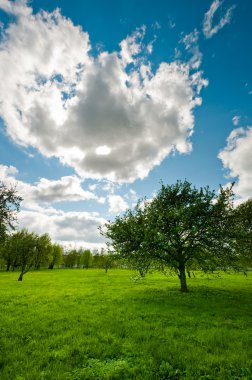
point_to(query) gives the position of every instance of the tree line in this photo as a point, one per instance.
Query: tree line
(24, 250)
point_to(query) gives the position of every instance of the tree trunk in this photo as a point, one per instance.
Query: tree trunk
(51, 266)
(20, 278)
(182, 277)
(8, 267)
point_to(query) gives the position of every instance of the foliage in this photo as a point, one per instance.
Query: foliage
(71, 259)
(9, 205)
(181, 226)
(86, 258)
(243, 222)
(128, 238)
(26, 250)
(26, 246)
(43, 250)
(56, 257)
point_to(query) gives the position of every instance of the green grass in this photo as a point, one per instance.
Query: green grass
(85, 324)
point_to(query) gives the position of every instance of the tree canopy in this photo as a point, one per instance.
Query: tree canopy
(182, 225)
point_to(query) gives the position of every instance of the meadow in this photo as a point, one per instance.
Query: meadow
(87, 324)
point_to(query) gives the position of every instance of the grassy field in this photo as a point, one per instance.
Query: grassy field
(85, 324)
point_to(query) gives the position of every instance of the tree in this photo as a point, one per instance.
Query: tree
(180, 226)
(72, 259)
(9, 251)
(9, 205)
(56, 255)
(105, 260)
(243, 222)
(86, 258)
(43, 250)
(26, 243)
(129, 236)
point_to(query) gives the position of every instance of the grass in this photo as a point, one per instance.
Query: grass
(85, 324)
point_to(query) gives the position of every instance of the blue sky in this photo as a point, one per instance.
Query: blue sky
(99, 101)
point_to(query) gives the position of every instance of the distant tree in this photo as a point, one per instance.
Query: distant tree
(72, 259)
(243, 223)
(180, 226)
(9, 205)
(106, 260)
(26, 247)
(86, 258)
(56, 255)
(43, 250)
(9, 252)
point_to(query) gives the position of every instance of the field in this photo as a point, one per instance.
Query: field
(86, 324)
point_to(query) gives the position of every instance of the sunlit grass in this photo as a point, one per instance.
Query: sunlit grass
(85, 324)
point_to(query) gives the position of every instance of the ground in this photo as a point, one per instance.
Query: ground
(86, 324)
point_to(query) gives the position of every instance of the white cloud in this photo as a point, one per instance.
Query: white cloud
(237, 159)
(236, 120)
(132, 196)
(117, 204)
(191, 45)
(18, 8)
(56, 97)
(46, 191)
(80, 228)
(208, 28)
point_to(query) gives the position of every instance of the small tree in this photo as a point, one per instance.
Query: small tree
(9, 205)
(56, 255)
(26, 247)
(9, 252)
(72, 259)
(43, 250)
(86, 258)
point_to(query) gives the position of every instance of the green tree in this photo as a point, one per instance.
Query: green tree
(72, 259)
(243, 222)
(9, 205)
(9, 251)
(86, 258)
(26, 243)
(56, 255)
(180, 226)
(106, 260)
(43, 251)
(129, 236)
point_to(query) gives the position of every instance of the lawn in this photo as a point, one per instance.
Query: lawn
(86, 324)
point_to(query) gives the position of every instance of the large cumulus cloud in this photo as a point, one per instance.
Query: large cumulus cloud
(111, 116)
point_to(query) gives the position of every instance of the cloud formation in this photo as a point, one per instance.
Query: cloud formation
(236, 120)
(209, 29)
(46, 191)
(109, 116)
(78, 228)
(117, 204)
(191, 45)
(37, 214)
(237, 159)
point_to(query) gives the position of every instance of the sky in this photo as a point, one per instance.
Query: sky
(102, 100)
